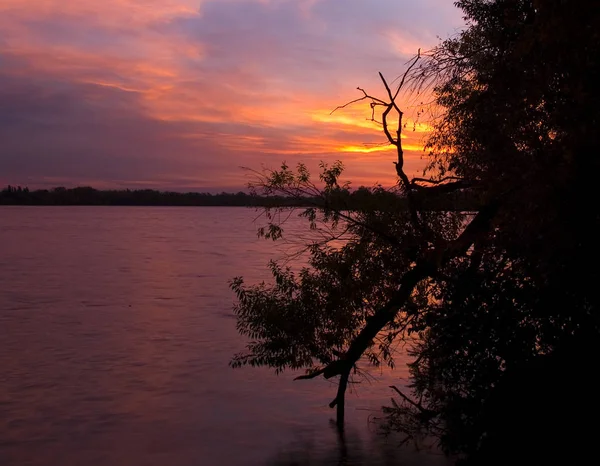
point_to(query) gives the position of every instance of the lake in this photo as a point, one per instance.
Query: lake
(116, 332)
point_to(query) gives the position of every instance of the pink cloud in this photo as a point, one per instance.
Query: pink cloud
(177, 92)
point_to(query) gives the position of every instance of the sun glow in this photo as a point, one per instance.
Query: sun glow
(189, 88)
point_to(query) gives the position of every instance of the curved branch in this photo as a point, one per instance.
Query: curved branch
(384, 115)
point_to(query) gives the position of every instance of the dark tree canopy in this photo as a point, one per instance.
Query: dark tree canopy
(499, 303)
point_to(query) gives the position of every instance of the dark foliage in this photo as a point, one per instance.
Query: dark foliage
(498, 305)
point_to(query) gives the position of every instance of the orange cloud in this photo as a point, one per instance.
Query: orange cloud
(248, 80)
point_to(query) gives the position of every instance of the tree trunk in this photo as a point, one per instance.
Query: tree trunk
(340, 399)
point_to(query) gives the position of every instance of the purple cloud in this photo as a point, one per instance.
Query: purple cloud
(178, 93)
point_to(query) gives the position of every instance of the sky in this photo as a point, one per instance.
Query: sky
(180, 94)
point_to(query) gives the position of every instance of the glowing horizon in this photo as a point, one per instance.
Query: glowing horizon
(177, 94)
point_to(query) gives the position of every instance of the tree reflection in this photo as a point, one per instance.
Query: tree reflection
(346, 447)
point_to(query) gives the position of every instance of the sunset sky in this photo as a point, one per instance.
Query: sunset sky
(178, 94)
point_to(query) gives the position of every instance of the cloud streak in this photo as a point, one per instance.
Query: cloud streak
(176, 94)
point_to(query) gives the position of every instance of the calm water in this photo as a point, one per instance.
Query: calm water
(115, 335)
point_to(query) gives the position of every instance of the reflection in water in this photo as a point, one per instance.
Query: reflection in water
(349, 448)
(116, 333)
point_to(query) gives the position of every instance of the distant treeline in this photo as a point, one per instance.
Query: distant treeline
(127, 197)
(362, 198)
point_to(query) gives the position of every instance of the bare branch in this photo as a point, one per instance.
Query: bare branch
(386, 129)
(310, 375)
(406, 73)
(444, 188)
(389, 92)
(408, 400)
(429, 180)
(375, 101)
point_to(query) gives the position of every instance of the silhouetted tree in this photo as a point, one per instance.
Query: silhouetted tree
(489, 300)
